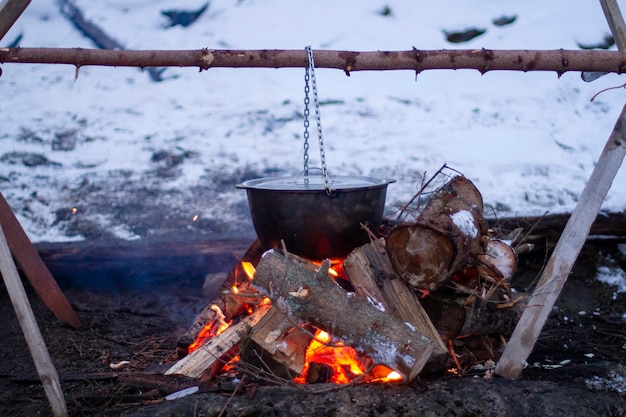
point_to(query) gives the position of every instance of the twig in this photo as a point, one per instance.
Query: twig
(420, 191)
(243, 378)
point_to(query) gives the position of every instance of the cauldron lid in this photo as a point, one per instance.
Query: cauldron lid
(315, 183)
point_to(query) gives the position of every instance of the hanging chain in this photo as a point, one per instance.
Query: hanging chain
(320, 137)
(306, 125)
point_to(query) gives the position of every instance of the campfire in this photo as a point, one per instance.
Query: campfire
(429, 295)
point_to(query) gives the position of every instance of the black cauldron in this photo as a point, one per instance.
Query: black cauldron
(314, 221)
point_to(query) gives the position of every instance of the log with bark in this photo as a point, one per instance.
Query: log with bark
(447, 236)
(306, 294)
(373, 277)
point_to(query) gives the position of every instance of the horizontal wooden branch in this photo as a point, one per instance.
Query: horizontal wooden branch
(483, 60)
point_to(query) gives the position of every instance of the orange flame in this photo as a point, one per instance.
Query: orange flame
(344, 361)
(210, 330)
(249, 269)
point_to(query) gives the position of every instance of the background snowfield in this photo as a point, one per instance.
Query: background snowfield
(114, 154)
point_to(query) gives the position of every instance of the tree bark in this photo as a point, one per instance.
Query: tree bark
(483, 60)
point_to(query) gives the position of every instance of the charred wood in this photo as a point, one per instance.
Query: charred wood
(217, 351)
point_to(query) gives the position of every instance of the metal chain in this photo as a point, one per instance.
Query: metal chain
(306, 126)
(316, 103)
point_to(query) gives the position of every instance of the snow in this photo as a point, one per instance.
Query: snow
(613, 276)
(464, 220)
(529, 141)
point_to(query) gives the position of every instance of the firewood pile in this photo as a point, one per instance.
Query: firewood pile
(428, 295)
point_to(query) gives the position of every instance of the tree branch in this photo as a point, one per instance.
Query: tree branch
(483, 60)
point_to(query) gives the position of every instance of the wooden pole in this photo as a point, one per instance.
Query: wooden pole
(575, 233)
(483, 60)
(540, 304)
(616, 22)
(32, 334)
(35, 270)
(10, 11)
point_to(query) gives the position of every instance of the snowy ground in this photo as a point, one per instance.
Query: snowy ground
(130, 155)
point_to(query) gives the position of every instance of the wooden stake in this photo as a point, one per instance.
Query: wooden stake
(32, 334)
(575, 233)
(35, 270)
(10, 11)
(565, 253)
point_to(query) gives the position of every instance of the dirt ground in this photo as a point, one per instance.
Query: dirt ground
(577, 367)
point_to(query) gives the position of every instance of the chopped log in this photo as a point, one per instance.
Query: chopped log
(446, 236)
(212, 355)
(228, 304)
(279, 338)
(373, 277)
(312, 297)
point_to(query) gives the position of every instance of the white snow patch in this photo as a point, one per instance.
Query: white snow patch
(464, 220)
(613, 276)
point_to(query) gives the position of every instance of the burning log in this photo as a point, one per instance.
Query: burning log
(447, 235)
(286, 344)
(373, 277)
(222, 309)
(211, 355)
(308, 295)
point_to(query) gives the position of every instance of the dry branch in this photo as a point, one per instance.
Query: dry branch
(10, 11)
(483, 60)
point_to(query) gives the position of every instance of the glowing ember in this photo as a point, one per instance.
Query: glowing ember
(336, 267)
(74, 210)
(345, 362)
(210, 330)
(194, 218)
